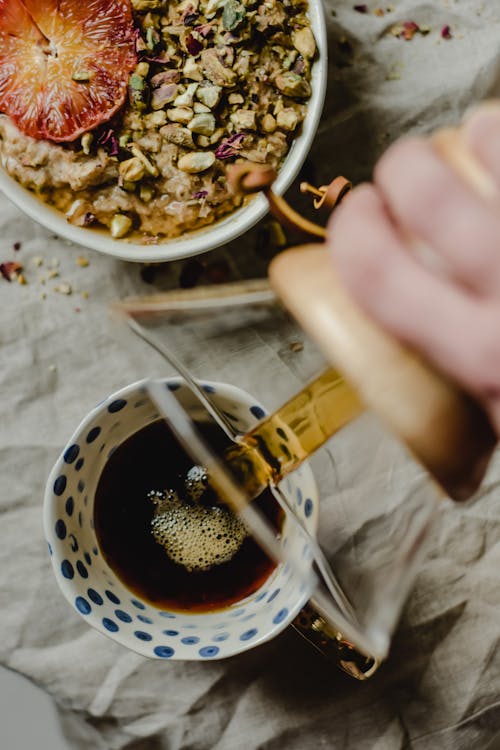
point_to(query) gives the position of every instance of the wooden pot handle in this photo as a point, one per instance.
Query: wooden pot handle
(445, 429)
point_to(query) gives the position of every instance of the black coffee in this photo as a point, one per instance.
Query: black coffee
(146, 465)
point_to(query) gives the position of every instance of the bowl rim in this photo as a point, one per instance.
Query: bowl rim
(214, 235)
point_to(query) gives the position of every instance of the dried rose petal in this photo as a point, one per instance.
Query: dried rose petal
(193, 45)
(361, 8)
(204, 30)
(109, 142)
(200, 194)
(446, 32)
(230, 146)
(9, 269)
(410, 28)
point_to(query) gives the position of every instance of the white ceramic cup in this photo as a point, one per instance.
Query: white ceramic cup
(91, 586)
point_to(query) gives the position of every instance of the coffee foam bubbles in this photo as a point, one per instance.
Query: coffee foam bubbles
(193, 535)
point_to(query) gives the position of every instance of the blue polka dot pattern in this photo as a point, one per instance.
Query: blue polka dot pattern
(82, 605)
(67, 569)
(93, 434)
(60, 529)
(112, 597)
(50, 548)
(117, 405)
(257, 411)
(60, 485)
(142, 636)
(110, 625)
(280, 616)
(71, 453)
(248, 634)
(220, 637)
(123, 616)
(94, 596)
(208, 388)
(95, 593)
(82, 569)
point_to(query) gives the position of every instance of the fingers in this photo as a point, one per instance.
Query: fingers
(481, 134)
(453, 330)
(427, 197)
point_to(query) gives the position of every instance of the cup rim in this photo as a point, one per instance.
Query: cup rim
(206, 238)
(68, 589)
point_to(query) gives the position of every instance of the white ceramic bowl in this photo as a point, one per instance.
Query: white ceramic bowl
(193, 243)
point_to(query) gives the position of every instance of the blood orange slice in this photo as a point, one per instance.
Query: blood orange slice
(64, 64)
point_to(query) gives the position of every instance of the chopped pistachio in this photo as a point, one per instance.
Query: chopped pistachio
(232, 15)
(198, 107)
(180, 114)
(138, 92)
(136, 151)
(268, 124)
(214, 70)
(203, 141)
(303, 41)
(235, 99)
(197, 161)
(192, 70)
(146, 193)
(142, 69)
(293, 85)
(120, 225)
(124, 139)
(156, 119)
(209, 94)
(243, 119)
(128, 186)
(186, 98)
(203, 124)
(287, 119)
(179, 136)
(132, 170)
(86, 141)
(164, 94)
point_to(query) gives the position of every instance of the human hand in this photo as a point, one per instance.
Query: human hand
(449, 312)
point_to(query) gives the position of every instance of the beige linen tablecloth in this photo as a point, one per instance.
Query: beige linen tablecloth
(60, 355)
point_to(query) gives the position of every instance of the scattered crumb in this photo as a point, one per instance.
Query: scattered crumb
(21, 279)
(16, 246)
(10, 270)
(82, 261)
(85, 295)
(446, 32)
(296, 346)
(63, 288)
(37, 261)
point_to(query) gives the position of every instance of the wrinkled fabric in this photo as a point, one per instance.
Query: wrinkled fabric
(440, 687)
